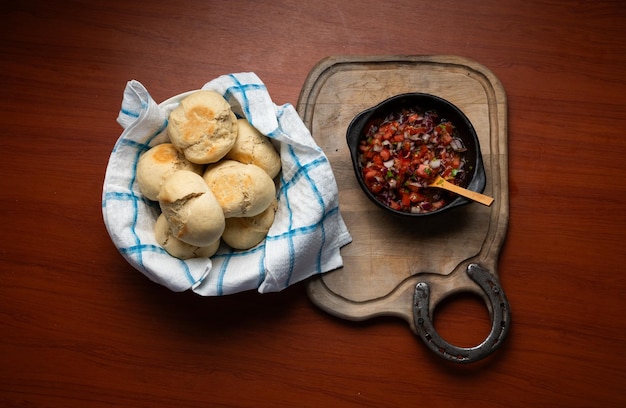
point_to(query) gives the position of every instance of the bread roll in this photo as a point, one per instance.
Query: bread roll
(243, 190)
(203, 127)
(253, 147)
(246, 232)
(178, 248)
(191, 209)
(158, 163)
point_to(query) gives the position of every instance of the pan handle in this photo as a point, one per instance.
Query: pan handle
(500, 319)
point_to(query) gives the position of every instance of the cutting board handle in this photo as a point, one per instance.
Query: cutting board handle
(498, 307)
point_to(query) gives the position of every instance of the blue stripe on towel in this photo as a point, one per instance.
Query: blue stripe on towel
(227, 256)
(222, 273)
(159, 250)
(133, 225)
(303, 230)
(288, 235)
(303, 171)
(320, 200)
(261, 267)
(127, 112)
(126, 197)
(309, 169)
(134, 199)
(242, 89)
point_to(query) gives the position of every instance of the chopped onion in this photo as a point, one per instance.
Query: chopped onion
(414, 184)
(412, 156)
(457, 144)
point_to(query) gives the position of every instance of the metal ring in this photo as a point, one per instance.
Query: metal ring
(500, 319)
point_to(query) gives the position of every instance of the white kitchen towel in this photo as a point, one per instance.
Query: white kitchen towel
(307, 233)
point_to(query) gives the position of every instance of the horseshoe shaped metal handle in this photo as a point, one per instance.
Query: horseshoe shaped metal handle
(500, 319)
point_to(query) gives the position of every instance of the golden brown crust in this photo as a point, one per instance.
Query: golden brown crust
(178, 248)
(253, 147)
(243, 190)
(191, 209)
(158, 163)
(247, 232)
(203, 127)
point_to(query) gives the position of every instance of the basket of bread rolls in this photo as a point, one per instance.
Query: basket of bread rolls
(193, 189)
(213, 181)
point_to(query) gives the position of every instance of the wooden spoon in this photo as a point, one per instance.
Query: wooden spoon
(439, 182)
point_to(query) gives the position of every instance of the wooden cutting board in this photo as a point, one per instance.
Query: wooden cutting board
(388, 256)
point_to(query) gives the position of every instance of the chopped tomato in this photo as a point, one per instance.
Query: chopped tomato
(406, 146)
(375, 187)
(400, 154)
(424, 171)
(446, 139)
(422, 152)
(385, 154)
(406, 199)
(415, 197)
(456, 162)
(413, 186)
(370, 174)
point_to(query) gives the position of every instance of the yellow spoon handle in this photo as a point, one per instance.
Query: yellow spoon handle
(472, 195)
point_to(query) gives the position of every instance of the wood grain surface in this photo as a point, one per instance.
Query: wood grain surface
(387, 251)
(81, 328)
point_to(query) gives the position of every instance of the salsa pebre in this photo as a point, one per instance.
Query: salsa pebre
(404, 152)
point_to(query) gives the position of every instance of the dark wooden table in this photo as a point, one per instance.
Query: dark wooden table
(82, 328)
